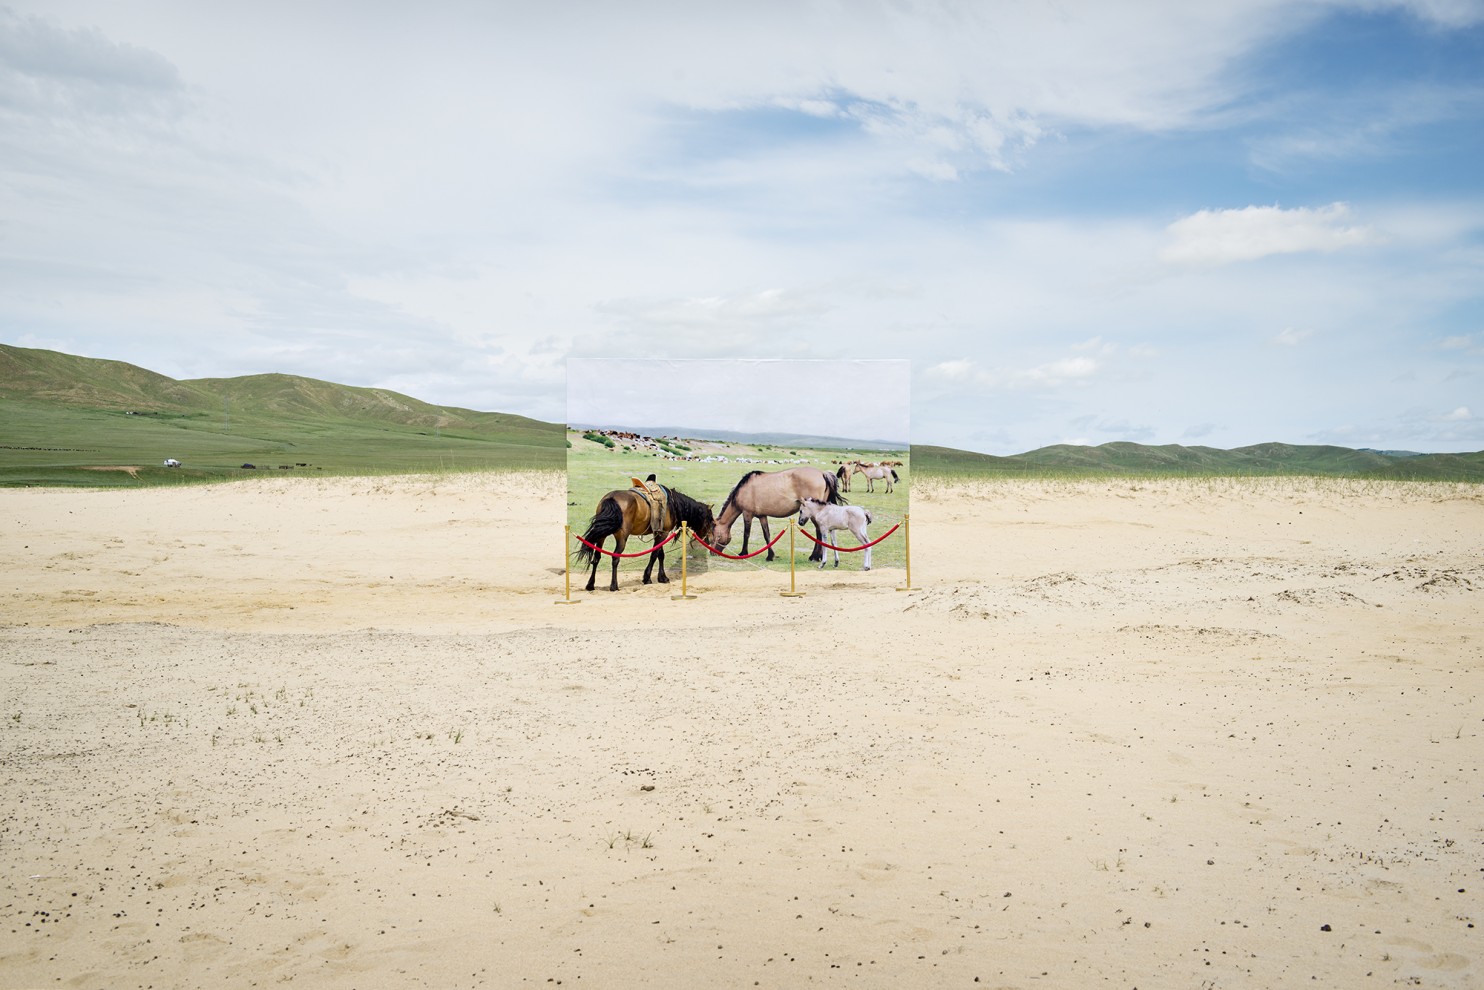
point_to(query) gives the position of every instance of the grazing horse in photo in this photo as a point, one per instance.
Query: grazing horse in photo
(777, 494)
(875, 473)
(627, 512)
(829, 519)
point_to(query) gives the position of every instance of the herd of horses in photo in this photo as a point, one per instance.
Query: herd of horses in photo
(647, 509)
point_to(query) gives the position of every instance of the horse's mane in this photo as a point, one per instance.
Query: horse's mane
(732, 497)
(687, 509)
(832, 490)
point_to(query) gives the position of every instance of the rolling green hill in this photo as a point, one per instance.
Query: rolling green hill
(1064, 460)
(64, 417)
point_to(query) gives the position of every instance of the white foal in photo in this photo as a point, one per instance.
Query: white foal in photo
(830, 518)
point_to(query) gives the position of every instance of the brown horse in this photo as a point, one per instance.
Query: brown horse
(761, 494)
(626, 512)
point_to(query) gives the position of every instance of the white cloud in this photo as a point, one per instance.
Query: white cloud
(1291, 337)
(1459, 415)
(1215, 237)
(1049, 374)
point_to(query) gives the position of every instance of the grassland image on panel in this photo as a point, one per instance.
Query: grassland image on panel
(700, 426)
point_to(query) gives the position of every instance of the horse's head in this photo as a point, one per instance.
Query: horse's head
(807, 508)
(721, 534)
(705, 520)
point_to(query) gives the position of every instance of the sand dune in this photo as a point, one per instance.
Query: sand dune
(337, 733)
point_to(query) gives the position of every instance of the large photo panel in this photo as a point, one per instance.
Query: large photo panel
(701, 426)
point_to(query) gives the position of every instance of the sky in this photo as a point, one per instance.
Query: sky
(1081, 221)
(843, 399)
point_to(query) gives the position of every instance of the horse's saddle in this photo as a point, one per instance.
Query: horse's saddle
(657, 498)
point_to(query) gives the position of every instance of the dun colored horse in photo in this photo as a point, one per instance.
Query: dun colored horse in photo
(776, 494)
(875, 473)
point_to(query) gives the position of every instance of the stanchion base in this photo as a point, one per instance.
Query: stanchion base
(683, 598)
(909, 588)
(568, 601)
(792, 594)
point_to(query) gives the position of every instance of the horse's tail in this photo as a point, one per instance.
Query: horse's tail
(840, 473)
(607, 521)
(868, 515)
(894, 477)
(832, 490)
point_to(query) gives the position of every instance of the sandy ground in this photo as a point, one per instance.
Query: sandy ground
(337, 733)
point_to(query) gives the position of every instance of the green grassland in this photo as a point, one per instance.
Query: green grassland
(594, 469)
(62, 417)
(1120, 459)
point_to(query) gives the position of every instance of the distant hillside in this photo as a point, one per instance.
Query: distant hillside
(63, 416)
(1175, 460)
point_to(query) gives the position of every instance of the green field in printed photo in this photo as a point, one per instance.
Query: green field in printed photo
(707, 470)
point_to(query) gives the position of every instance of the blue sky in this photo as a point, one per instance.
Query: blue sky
(1080, 221)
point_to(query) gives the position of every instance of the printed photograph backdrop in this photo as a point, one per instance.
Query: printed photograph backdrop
(700, 425)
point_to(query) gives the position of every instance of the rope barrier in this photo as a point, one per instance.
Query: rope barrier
(641, 553)
(729, 556)
(831, 546)
(686, 531)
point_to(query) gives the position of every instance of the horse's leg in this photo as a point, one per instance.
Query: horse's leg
(819, 550)
(649, 566)
(747, 532)
(864, 537)
(660, 553)
(592, 578)
(618, 545)
(767, 537)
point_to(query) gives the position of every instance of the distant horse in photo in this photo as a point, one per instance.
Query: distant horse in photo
(829, 519)
(776, 494)
(875, 473)
(843, 475)
(627, 512)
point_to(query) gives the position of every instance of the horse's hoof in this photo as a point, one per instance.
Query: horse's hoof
(664, 580)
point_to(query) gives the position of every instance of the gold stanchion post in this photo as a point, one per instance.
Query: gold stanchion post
(684, 570)
(567, 566)
(907, 539)
(791, 593)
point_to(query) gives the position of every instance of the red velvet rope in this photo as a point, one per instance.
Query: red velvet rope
(729, 556)
(831, 546)
(641, 553)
